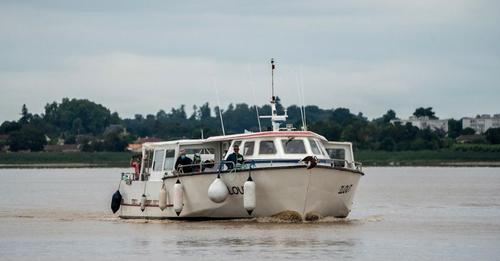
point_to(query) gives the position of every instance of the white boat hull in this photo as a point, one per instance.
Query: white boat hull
(324, 190)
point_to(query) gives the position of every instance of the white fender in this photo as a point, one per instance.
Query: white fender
(249, 199)
(178, 197)
(162, 198)
(217, 192)
(143, 202)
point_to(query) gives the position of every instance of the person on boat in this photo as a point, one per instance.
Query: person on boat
(184, 160)
(135, 162)
(235, 157)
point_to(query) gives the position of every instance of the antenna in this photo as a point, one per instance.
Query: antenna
(300, 100)
(218, 104)
(275, 118)
(303, 100)
(253, 94)
(272, 79)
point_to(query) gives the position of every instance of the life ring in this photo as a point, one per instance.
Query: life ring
(311, 161)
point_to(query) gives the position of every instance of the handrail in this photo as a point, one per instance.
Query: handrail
(247, 164)
(201, 166)
(350, 164)
(128, 177)
(252, 164)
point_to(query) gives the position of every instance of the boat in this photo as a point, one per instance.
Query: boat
(283, 170)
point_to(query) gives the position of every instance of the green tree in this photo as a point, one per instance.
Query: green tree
(388, 144)
(421, 112)
(114, 142)
(27, 138)
(493, 135)
(9, 126)
(25, 115)
(388, 116)
(93, 117)
(454, 128)
(468, 131)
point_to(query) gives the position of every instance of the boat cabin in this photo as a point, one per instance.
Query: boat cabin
(263, 149)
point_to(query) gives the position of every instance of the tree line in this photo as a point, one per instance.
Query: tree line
(95, 128)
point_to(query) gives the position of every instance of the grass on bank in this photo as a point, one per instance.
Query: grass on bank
(424, 157)
(368, 158)
(101, 159)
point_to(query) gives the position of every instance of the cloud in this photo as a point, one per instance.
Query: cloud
(133, 83)
(369, 56)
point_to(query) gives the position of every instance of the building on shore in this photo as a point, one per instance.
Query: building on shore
(424, 123)
(474, 138)
(481, 123)
(137, 145)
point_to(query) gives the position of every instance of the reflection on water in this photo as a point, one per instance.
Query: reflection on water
(399, 213)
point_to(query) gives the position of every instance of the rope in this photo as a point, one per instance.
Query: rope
(307, 192)
(145, 183)
(119, 184)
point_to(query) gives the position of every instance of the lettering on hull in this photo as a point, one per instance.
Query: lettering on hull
(236, 190)
(345, 189)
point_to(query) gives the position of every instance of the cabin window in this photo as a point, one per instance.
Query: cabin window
(314, 147)
(292, 146)
(224, 147)
(169, 160)
(199, 155)
(336, 153)
(158, 160)
(267, 147)
(338, 156)
(248, 148)
(321, 148)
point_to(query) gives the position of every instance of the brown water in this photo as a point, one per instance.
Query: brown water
(399, 213)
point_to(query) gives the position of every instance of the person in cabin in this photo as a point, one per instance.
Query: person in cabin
(184, 160)
(135, 163)
(235, 157)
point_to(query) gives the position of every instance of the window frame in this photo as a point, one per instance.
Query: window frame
(274, 145)
(165, 160)
(283, 144)
(253, 148)
(316, 145)
(155, 167)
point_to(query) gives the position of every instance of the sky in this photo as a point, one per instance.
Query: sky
(143, 56)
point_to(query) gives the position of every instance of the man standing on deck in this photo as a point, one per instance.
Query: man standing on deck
(183, 160)
(235, 157)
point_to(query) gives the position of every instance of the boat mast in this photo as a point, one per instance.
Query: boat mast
(272, 79)
(275, 118)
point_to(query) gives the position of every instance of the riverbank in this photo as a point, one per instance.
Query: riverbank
(368, 158)
(451, 158)
(65, 160)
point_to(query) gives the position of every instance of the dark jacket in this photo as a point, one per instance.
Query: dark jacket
(184, 161)
(236, 158)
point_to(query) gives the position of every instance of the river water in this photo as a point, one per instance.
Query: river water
(398, 214)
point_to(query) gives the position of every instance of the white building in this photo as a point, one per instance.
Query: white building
(482, 123)
(424, 123)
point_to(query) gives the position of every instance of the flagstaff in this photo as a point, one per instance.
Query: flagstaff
(272, 80)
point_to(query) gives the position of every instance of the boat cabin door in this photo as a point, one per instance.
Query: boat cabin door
(340, 153)
(163, 162)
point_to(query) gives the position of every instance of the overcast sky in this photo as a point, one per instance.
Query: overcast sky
(143, 56)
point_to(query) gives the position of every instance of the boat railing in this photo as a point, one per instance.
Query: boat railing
(128, 177)
(222, 165)
(343, 163)
(225, 165)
